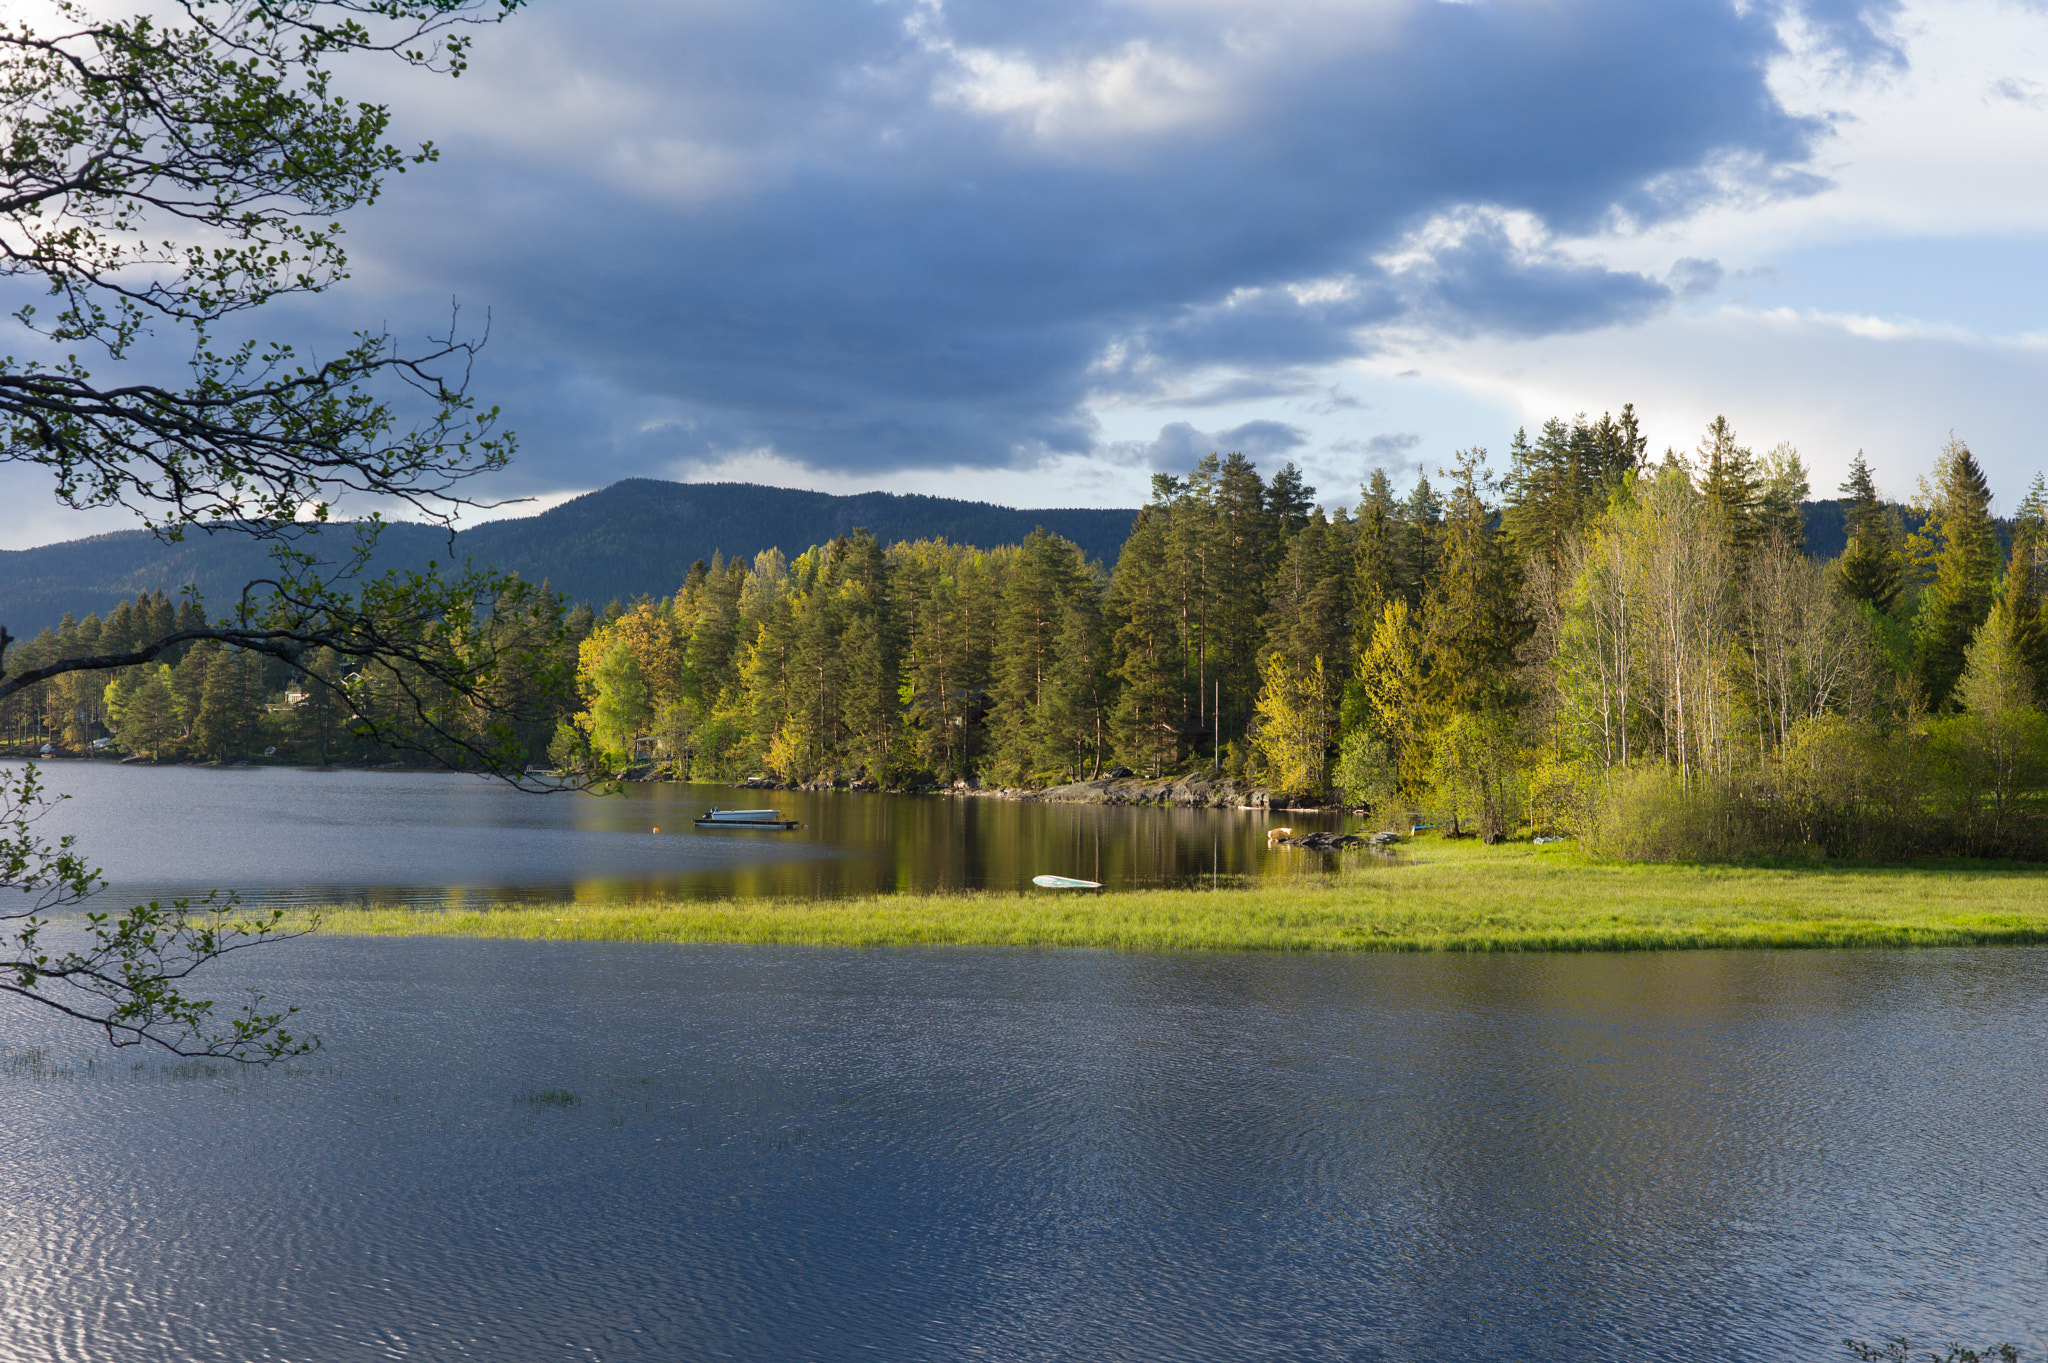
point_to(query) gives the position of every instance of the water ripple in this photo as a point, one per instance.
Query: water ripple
(595, 1151)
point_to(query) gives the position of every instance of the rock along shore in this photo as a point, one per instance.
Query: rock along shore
(1184, 792)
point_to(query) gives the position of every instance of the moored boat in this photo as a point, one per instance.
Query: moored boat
(745, 818)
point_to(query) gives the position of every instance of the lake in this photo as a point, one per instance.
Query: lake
(286, 835)
(601, 1151)
(533, 1151)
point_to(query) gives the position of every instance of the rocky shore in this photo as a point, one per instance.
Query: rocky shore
(1198, 791)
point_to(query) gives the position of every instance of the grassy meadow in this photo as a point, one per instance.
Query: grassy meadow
(1441, 896)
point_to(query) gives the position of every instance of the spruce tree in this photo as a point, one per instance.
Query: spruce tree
(320, 720)
(2023, 584)
(1732, 484)
(1078, 703)
(1471, 615)
(1871, 567)
(1966, 560)
(1417, 531)
(150, 719)
(1309, 606)
(1375, 555)
(1557, 486)
(1780, 510)
(870, 647)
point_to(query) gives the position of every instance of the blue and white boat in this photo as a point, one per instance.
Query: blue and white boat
(745, 818)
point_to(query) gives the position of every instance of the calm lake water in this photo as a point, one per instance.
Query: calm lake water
(280, 835)
(540, 1151)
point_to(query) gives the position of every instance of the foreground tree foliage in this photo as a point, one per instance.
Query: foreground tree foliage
(164, 177)
(124, 972)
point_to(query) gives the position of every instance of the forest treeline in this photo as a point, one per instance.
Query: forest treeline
(1587, 640)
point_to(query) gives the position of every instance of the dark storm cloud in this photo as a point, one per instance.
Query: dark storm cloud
(877, 236)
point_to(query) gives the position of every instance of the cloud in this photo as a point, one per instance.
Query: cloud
(1693, 278)
(1829, 384)
(2017, 90)
(1390, 448)
(1179, 444)
(926, 235)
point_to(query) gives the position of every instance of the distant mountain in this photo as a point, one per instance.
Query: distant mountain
(642, 535)
(635, 537)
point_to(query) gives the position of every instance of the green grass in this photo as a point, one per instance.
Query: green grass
(1447, 897)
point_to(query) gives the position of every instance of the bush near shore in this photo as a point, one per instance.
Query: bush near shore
(1447, 896)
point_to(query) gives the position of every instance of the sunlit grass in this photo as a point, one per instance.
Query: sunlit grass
(1445, 897)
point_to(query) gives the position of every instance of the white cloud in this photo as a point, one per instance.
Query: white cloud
(1137, 89)
(1830, 385)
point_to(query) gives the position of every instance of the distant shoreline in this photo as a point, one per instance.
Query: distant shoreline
(1194, 791)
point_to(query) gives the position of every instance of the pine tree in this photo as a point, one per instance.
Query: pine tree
(188, 683)
(1962, 543)
(1145, 722)
(1029, 737)
(1290, 500)
(226, 722)
(1251, 527)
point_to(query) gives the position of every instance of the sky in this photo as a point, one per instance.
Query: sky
(1033, 254)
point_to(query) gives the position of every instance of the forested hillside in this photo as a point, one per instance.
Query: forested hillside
(635, 538)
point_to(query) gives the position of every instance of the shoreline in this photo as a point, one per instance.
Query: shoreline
(1468, 900)
(1193, 791)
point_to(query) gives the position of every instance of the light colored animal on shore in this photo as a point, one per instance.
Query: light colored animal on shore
(1273, 835)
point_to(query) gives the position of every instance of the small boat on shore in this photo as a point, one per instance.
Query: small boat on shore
(745, 818)
(1065, 883)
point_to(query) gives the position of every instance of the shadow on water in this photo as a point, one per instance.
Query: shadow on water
(284, 836)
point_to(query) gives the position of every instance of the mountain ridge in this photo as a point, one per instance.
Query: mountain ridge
(636, 537)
